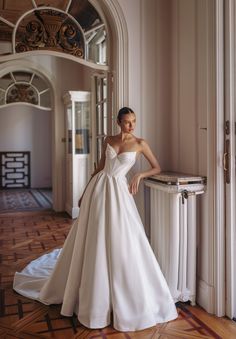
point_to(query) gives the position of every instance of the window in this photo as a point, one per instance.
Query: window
(103, 117)
(24, 86)
(70, 26)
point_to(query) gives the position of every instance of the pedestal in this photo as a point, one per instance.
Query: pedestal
(172, 219)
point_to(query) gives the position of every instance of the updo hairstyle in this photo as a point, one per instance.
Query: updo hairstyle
(123, 111)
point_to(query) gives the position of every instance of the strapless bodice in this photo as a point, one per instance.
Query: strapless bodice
(117, 165)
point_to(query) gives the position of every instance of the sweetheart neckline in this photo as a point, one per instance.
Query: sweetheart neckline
(117, 154)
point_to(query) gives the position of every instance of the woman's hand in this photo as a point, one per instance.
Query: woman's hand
(134, 183)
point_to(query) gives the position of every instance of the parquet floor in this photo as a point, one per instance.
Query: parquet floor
(25, 236)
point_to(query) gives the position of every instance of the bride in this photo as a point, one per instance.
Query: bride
(106, 266)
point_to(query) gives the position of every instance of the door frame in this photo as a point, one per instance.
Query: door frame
(224, 197)
(217, 171)
(230, 195)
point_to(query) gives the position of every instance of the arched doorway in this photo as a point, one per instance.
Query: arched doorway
(117, 58)
(26, 136)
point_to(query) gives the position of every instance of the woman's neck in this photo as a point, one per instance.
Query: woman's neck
(125, 136)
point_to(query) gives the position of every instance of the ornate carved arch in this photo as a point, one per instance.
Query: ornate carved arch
(24, 86)
(73, 27)
(49, 29)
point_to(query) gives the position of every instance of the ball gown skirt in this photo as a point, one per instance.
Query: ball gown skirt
(106, 264)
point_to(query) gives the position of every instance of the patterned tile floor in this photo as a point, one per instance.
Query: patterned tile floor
(25, 236)
(25, 199)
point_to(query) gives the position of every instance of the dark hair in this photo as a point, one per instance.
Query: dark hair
(123, 111)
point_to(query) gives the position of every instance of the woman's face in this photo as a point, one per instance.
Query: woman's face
(127, 123)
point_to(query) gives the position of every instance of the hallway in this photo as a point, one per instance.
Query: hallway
(24, 237)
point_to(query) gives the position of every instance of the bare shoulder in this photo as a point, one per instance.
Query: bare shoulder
(108, 139)
(143, 145)
(145, 149)
(111, 137)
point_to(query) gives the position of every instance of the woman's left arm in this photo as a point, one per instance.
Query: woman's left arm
(155, 167)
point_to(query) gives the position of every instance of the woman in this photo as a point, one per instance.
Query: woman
(124, 141)
(106, 265)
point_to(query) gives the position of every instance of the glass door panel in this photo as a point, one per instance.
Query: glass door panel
(77, 147)
(101, 119)
(82, 128)
(69, 129)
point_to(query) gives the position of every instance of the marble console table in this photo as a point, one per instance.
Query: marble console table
(171, 215)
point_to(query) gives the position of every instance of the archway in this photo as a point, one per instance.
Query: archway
(115, 23)
(26, 136)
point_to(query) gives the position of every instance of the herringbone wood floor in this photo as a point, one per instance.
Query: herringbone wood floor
(25, 236)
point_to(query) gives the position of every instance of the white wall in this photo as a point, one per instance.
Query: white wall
(192, 97)
(148, 24)
(170, 50)
(149, 39)
(132, 13)
(168, 79)
(25, 128)
(189, 86)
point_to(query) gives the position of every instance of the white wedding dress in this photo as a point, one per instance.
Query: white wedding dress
(106, 264)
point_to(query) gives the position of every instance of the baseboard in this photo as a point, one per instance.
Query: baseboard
(206, 296)
(68, 209)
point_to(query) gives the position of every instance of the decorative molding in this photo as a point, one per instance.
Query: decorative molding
(22, 93)
(51, 30)
(23, 89)
(17, 56)
(69, 18)
(119, 38)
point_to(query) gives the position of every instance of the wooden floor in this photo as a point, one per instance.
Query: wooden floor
(25, 236)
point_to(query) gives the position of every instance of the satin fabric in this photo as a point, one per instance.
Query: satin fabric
(106, 264)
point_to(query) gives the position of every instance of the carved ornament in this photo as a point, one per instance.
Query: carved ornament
(51, 30)
(22, 93)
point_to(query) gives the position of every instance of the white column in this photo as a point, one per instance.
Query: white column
(192, 247)
(174, 238)
(183, 250)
